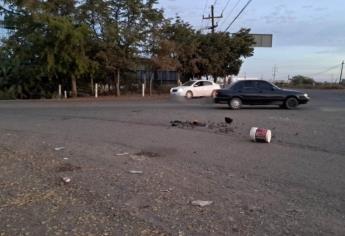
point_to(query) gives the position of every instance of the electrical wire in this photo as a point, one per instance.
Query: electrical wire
(325, 71)
(202, 19)
(226, 5)
(238, 15)
(234, 7)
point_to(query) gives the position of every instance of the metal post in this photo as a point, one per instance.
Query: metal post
(143, 89)
(341, 72)
(96, 90)
(60, 91)
(65, 93)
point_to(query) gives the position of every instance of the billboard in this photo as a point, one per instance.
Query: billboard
(263, 40)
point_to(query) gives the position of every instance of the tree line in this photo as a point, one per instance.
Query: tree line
(72, 42)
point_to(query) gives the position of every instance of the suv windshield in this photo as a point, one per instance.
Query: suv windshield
(189, 83)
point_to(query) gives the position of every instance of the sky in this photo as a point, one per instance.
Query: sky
(308, 35)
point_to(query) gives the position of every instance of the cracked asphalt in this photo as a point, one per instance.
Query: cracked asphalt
(132, 173)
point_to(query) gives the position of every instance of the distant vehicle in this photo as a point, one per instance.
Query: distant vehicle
(196, 88)
(259, 92)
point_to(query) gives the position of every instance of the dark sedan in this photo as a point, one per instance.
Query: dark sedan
(259, 92)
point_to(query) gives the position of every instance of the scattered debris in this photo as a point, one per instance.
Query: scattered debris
(59, 148)
(228, 120)
(136, 172)
(66, 180)
(167, 190)
(122, 154)
(65, 158)
(220, 127)
(260, 135)
(201, 203)
(147, 154)
(197, 123)
(191, 124)
(176, 123)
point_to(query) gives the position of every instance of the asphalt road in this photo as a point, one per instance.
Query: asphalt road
(292, 186)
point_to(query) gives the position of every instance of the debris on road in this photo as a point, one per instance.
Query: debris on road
(201, 203)
(228, 120)
(59, 148)
(166, 190)
(260, 135)
(220, 127)
(187, 123)
(136, 172)
(66, 180)
(122, 154)
(147, 154)
(198, 123)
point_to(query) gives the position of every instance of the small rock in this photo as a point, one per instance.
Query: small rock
(136, 172)
(228, 120)
(122, 154)
(59, 148)
(167, 190)
(66, 180)
(201, 203)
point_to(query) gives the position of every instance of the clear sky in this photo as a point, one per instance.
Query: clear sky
(308, 35)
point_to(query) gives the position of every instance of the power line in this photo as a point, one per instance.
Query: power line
(234, 7)
(226, 5)
(206, 3)
(238, 15)
(202, 19)
(215, 2)
(329, 69)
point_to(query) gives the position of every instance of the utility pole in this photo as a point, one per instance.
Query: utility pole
(212, 17)
(274, 72)
(341, 72)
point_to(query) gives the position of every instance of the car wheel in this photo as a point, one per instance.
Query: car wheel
(235, 103)
(189, 95)
(291, 103)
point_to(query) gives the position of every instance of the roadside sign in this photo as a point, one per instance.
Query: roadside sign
(263, 40)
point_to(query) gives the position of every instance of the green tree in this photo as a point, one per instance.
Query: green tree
(302, 80)
(223, 54)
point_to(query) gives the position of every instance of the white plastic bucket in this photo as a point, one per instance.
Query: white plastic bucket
(260, 135)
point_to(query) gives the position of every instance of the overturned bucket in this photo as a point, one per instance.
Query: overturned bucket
(260, 135)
